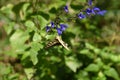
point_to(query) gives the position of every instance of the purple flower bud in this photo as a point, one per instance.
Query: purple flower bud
(52, 24)
(66, 9)
(47, 28)
(89, 2)
(81, 16)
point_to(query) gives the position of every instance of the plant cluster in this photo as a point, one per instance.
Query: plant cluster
(91, 10)
(93, 51)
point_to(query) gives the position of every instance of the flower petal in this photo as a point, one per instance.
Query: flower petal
(90, 11)
(59, 31)
(63, 26)
(89, 2)
(81, 16)
(96, 9)
(66, 9)
(101, 12)
(52, 24)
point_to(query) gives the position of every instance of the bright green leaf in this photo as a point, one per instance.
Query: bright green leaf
(89, 46)
(33, 56)
(18, 39)
(42, 21)
(112, 73)
(29, 72)
(101, 76)
(35, 47)
(30, 25)
(72, 63)
(82, 75)
(37, 37)
(92, 68)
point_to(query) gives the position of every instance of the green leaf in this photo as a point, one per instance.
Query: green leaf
(55, 59)
(82, 75)
(18, 39)
(89, 46)
(18, 7)
(72, 63)
(4, 70)
(30, 25)
(35, 46)
(33, 56)
(24, 9)
(29, 72)
(25, 55)
(41, 20)
(9, 27)
(92, 68)
(100, 76)
(85, 51)
(37, 37)
(112, 73)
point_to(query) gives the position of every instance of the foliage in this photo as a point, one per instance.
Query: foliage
(93, 42)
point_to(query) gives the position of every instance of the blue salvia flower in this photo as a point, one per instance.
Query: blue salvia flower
(89, 2)
(52, 24)
(95, 11)
(66, 9)
(101, 12)
(48, 28)
(59, 31)
(63, 27)
(90, 11)
(81, 16)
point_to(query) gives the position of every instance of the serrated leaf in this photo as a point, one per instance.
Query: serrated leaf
(8, 28)
(72, 63)
(36, 37)
(18, 39)
(30, 25)
(25, 55)
(29, 72)
(42, 21)
(35, 46)
(112, 73)
(33, 56)
(92, 68)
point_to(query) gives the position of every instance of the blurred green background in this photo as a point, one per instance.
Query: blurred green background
(94, 42)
